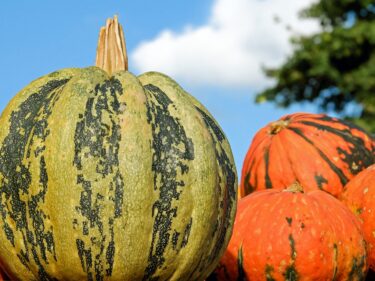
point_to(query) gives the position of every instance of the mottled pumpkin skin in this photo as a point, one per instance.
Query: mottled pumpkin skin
(112, 178)
(282, 235)
(359, 196)
(316, 150)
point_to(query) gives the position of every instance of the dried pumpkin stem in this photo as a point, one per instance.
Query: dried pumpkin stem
(111, 52)
(277, 126)
(295, 187)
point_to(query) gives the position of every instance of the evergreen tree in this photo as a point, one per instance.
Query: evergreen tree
(334, 68)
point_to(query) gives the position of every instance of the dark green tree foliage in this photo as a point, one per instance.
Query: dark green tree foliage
(334, 68)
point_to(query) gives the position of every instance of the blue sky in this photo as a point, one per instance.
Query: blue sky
(213, 48)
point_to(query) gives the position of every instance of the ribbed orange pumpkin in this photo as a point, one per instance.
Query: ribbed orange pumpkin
(319, 151)
(290, 235)
(359, 196)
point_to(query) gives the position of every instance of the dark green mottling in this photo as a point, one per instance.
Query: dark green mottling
(334, 168)
(187, 231)
(28, 131)
(269, 271)
(293, 253)
(320, 180)
(241, 271)
(97, 137)
(85, 257)
(248, 187)
(335, 256)
(290, 273)
(357, 271)
(172, 150)
(175, 238)
(358, 153)
(267, 164)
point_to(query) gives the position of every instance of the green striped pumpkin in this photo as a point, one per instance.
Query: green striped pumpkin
(112, 177)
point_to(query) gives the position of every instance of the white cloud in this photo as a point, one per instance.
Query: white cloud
(229, 50)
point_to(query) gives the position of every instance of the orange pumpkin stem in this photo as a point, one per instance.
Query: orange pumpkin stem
(111, 52)
(295, 187)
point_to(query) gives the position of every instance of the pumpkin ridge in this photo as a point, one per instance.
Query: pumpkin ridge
(28, 126)
(227, 170)
(196, 267)
(168, 134)
(350, 125)
(268, 272)
(125, 180)
(282, 151)
(356, 270)
(266, 158)
(337, 171)
(358, 196)
(335, 258)
(248, 187)
(196, 112)
(320, 180)
(96, 139)
(211, 125)
(364, 158)
(241, 271)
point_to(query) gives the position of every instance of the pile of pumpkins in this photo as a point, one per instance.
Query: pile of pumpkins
(105, 175)
(307, 203)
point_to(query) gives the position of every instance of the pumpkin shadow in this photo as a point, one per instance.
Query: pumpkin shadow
(221, 272)
(224, 271)
(4, 276)
(370, 275)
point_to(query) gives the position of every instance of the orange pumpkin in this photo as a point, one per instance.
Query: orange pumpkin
(316, 150)
(291, 235)
(359, 196)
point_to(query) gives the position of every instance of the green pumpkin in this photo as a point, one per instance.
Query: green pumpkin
(112, 177)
